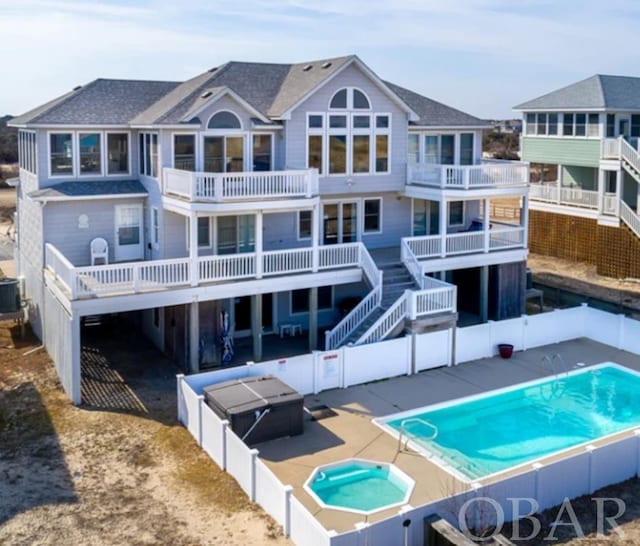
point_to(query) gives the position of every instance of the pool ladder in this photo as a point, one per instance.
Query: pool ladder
(403, 431)
(554, 362)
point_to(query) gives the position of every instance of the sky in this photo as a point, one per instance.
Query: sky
(481, 56)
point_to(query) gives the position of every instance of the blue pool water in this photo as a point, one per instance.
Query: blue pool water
(359, 486)
(486, 435)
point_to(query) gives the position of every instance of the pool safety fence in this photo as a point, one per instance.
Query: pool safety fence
(591, 468)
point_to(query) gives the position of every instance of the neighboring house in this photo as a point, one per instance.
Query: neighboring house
(256, 199)
(582, 143)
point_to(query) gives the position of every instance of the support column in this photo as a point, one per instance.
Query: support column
(558, 182)
(601, 187)
(313, 318)
(484, 293)
(76, 359)
(486, 224)
(442, 229)
(315, 238)
(258, 243)
(194, 336)
(619, 183)
(524, 221)
(193, 248)
(256, 326)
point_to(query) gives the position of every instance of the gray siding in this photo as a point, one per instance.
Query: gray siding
(61, 226)
(59, 342)
(319, 102)
(174, 242)
(583, 177)
(29, 257)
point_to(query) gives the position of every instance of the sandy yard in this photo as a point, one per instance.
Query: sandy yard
(128, 474)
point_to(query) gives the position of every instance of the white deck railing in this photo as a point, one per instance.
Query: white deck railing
(630, 218)
(564, 196)
(60, 267)
(243, 186)
(350, 322)
(500, 237)
(630, 155)
(153, 275)
(486, 175)
(390, 320)
(611, 148)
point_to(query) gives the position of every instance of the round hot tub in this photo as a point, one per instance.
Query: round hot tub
(360, 486)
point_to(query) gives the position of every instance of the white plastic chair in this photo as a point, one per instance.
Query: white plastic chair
(99, 249)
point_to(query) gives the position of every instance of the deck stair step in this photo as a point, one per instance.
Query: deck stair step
(395, 280)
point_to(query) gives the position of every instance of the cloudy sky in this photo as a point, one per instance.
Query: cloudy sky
(482, 56)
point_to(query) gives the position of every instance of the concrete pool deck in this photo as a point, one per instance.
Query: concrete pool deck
(351, 433)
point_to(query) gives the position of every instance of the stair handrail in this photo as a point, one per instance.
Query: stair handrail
(629, 154)
(630, 218)
(390, 319)
(353, 319)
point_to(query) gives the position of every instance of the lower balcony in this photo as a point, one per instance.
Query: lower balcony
(481, 244)
(81, 282)
(489, 174)
(239, 186)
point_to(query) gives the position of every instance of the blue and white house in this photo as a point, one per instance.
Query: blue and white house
(270, 197)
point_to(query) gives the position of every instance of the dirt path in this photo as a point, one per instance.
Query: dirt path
(79, 476)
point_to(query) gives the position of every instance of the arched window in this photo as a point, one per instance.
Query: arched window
(339, 100)
(360, 100)
(224, 120)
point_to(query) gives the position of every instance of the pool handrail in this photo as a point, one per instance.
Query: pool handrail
(403, 430)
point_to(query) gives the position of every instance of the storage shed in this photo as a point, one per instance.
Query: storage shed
(258, 408)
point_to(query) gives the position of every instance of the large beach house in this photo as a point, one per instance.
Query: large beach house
(259, 200)
(582, 143)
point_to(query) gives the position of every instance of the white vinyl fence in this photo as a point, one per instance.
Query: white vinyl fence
(582, 473)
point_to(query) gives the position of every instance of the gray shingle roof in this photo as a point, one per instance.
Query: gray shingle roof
(101, 102)
(300, 80)
(269, 88)
(92, 188)
(433, 113)
(597, 92)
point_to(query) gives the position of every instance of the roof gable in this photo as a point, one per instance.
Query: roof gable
(294, 93)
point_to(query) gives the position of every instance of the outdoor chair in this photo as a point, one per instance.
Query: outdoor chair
(99, 249)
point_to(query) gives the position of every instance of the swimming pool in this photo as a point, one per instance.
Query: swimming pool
(358, 485)
(478, 436)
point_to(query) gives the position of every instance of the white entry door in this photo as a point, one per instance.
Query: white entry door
(129, 240)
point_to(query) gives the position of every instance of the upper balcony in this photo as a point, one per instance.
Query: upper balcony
(233, 187)
(489, 175)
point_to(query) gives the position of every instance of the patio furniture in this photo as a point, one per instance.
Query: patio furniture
(290, 328)
(99, 250)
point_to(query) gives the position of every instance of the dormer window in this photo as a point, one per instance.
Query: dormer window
(224, 120)
(349, 98)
